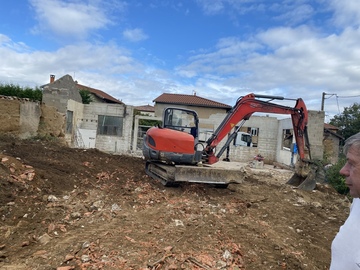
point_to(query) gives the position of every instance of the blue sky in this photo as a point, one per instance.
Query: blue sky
(221, 49)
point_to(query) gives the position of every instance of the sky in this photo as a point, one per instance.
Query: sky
(221, 50)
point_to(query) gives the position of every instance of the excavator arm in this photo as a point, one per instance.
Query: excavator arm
(251, 103)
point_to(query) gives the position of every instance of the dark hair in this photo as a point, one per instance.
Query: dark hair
(354, 140)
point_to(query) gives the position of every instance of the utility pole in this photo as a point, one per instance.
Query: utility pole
(323, 101)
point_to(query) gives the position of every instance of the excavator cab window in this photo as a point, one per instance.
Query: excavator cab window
(182, 120)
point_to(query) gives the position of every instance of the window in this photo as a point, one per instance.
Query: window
(69, 122)
(287, 138)
(181, 119)
(110, 125)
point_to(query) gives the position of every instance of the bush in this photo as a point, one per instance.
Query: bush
(335, 179)
(21, 92)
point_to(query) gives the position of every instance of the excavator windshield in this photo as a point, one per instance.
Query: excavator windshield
(181, 119)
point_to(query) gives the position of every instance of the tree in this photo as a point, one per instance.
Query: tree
(85, 96)
(348, 121)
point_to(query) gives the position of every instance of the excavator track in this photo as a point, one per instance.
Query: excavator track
(162, 172)
(173, 175)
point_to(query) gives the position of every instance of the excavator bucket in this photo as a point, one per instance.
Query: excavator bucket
(304, 183)
(304, 178)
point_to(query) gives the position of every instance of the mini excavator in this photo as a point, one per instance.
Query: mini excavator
(174, 153)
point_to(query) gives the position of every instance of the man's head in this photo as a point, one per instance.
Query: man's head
(351, 169)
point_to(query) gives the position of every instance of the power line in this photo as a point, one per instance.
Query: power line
(337, 102)
(337, 99)
(347, 96)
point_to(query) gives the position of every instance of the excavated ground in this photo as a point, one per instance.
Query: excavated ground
(64, 208)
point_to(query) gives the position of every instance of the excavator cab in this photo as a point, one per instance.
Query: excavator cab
(181, 119)
(176, 141)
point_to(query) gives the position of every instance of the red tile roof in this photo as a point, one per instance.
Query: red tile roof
(100, 94)
(328, 126)
(145, 108)
(191, 100)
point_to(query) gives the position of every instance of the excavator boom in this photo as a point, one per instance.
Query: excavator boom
(248, 105)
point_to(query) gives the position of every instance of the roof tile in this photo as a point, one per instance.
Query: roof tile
(189, 100)
(145, 108)
(99, 93)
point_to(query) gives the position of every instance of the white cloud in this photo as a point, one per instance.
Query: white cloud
(134, 35)
(284, 36)
(6, 42)
(347, 12)
(211, 7)
(68, 19)
(290, 62)
(294, 14)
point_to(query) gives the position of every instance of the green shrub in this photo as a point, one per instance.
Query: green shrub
(335, 179)
(21, 92)
(86, 96)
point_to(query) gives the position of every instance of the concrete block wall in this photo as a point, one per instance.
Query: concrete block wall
(56, 98)
(267, 135)
(89, 117)
(316, 133)
(110, 144)
(266, 140)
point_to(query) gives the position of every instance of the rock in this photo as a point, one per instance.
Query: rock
(75, 215)
(96, 206)
(85, 245)
(85, 258)
(220, 265)
(178, 222)
(316, 204)
(52, 198)
(227, 255)
(44, 239)
(115, 208)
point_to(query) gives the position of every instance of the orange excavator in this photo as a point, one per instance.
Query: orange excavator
(174, 153)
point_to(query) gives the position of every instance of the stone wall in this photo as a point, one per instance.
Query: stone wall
(58, 93)
(19, 117)
(52, 122)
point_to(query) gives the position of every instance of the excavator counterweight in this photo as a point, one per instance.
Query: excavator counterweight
(175, 153)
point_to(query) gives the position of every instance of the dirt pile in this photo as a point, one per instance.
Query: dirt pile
(63, 208)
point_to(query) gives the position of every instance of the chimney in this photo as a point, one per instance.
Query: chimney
(52, 78)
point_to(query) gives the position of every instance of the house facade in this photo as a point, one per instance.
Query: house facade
(105, 123)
